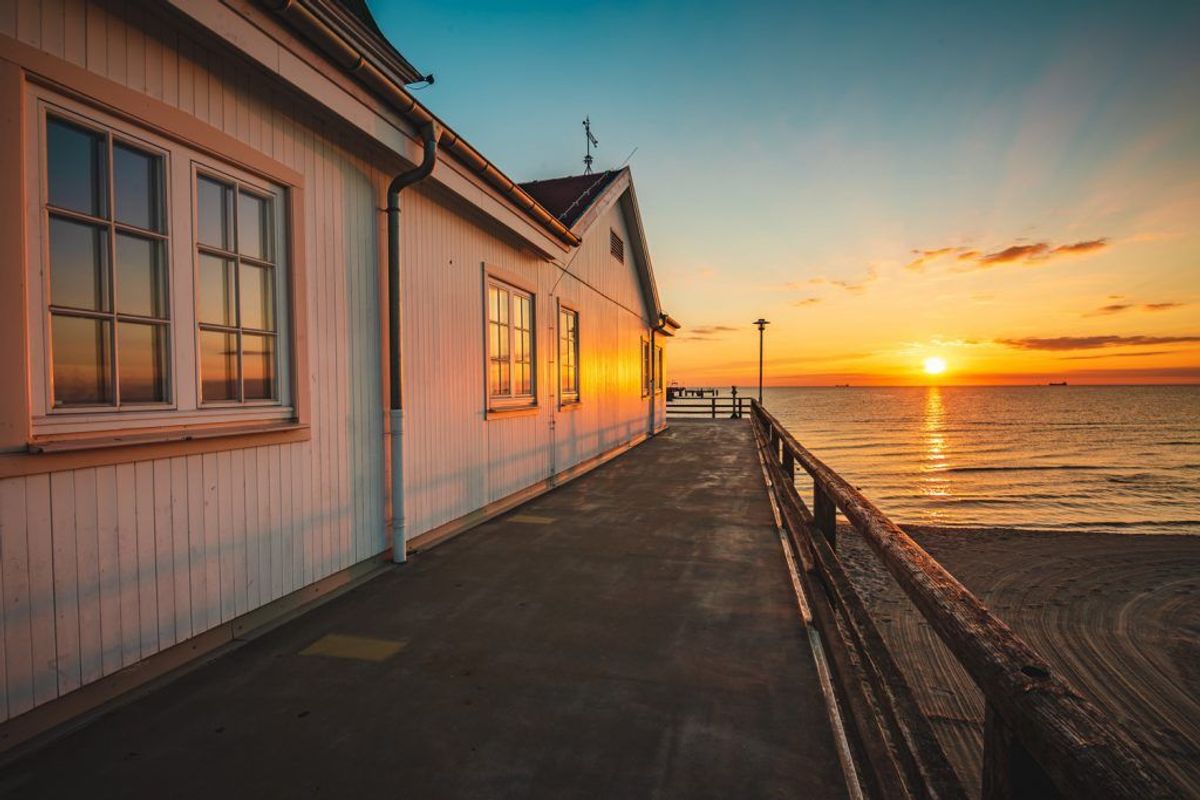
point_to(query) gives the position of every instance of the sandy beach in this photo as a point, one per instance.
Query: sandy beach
(1117, 614)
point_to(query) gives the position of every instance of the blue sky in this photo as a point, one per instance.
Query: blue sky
(782, 143)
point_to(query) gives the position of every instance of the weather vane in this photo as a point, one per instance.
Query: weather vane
(591, 142)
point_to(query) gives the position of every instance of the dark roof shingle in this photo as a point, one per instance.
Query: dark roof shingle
(567, 198)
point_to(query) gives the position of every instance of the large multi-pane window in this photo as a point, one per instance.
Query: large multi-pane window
(568, 355)
(110, 320)
(236, 281)
(158, 279)
(510, 344)
(658, 369)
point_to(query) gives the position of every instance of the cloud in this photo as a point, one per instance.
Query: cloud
(860, 286)
(923, 257)
(1137, 354)
(1090, 246)
(707, 330)
(1015, 252)
(807, 301)
(1112, 308)
(1021, 252)
(1092, 342)
(1117, 308)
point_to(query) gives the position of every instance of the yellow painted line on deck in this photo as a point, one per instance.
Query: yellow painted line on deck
(360, 648)
(532, 519)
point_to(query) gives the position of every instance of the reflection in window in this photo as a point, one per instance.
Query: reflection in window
(108, 272)
(568, 354)
(238, 285)
(510, 343)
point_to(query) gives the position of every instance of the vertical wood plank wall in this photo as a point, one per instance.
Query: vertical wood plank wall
(102, 567)
(457, 459)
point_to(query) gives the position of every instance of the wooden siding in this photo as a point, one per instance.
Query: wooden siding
(101, 567)
(457, 459)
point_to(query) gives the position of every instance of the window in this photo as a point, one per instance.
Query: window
(658, 369)
(236, 283)
(510, 345)
(107, 240)
(646, 367)
(568, 355)
(616, 245)
(159, 280)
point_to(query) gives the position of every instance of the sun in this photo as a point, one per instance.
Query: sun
(935, 365)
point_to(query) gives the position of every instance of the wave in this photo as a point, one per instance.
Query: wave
(1026, 468)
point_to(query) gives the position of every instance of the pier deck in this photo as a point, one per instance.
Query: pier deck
(631, 634)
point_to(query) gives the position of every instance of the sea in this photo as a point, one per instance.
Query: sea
(1116, 459)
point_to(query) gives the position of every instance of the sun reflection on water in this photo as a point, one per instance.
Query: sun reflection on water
(933, 479)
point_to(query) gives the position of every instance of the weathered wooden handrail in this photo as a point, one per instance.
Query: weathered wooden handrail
(1040, 735)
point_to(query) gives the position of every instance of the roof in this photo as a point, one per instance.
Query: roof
(359, 10)
(567, 198)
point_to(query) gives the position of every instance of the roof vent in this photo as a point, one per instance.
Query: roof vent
(616, 246)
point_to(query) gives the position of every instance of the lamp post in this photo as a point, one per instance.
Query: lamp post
(762, 325)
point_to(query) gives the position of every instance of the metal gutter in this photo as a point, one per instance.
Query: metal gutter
(361, 66)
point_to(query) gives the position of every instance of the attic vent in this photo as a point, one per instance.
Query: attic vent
(616, 245)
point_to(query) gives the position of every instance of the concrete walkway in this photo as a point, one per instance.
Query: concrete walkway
(632, 634)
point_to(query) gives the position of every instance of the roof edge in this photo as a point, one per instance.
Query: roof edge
(335, 35)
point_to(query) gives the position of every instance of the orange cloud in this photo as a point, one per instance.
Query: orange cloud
(1030, 252)
(1092, 342)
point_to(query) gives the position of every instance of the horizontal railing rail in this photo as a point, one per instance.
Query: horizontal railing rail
(684, 402)
(1041, 738)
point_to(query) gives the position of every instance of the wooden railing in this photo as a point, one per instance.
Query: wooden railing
(706, 402)
(1041, 738)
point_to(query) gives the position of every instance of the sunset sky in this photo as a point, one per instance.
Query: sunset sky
(1013, 188)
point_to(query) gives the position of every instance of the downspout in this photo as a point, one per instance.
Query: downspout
(429, 134)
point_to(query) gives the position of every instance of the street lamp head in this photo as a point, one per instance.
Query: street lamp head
(761, 323)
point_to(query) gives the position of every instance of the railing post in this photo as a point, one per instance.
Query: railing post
(824, 514)
(1009, 772)
(714, 406)
(789, 465)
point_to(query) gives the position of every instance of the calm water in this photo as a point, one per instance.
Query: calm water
(1120, 459)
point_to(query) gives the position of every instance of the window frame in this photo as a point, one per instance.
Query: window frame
(659, 369)
(512, 400)
(41, 286)
(183, 417)
(280, 267)
(568, 397)
(647, 367)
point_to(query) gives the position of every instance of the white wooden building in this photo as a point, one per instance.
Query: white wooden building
(197, 427)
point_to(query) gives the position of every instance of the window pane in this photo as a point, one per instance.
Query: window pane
(494, 387)
(502, 307)
(522, 311)
(523, 379)
(75, 168)
(142, 362)
(257, 296)
(505, 386)
(493, 304)
(216, 291)
(253, 227)
(82, 361)
(137, 187)
(212, 213)
(141, 279)
(218, 366)
(78, 265)
(258, 363)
